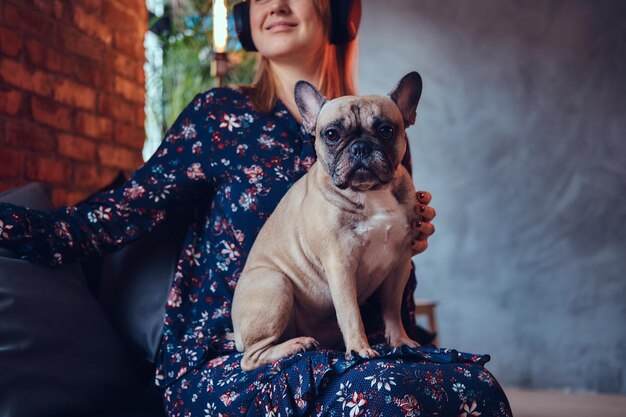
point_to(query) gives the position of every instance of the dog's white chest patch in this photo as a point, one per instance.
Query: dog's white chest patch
(383, 232)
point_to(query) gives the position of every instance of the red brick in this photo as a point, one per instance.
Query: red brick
(91, 6)
(140, 76)
(51, 113)
(130, 90)
(92, 25)
(27, 135)
(92, 74)
(137, 8)
(36, 52)
(140, 117)
(47, 169)
(130, 136)
(12, 163)
(80, 44)
(104, 80)
(115, 107)
(94, 126)
(76, 147)
(87, 176)
(130, 45)
(44, 56)
(9, 184)
(125, 66)
(11, 102)
(90, 177)
(10, 42)
(120, 20)
(16, 74)
(74, 94)
(117, 157)
(51, 8)
(28, 20)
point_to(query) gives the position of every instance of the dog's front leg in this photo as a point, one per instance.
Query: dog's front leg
(391, 291)
(343, 290)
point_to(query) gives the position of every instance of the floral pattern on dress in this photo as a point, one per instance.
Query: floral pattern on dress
(401, 382)
(224, 167)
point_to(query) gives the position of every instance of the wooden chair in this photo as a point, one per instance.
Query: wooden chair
(426, 308)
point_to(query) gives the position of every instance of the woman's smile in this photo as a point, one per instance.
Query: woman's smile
(287, 30)
(281, 26)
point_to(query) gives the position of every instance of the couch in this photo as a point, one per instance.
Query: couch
(80, 340)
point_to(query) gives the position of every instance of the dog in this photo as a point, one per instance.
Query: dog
(342, 232)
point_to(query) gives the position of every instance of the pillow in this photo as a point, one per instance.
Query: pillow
(132, 285)
(135, 283)
(58, 353)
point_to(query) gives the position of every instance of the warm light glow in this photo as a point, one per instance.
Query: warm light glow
(220, 26)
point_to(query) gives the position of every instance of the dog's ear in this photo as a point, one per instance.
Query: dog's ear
(406, 96)
(309, 101)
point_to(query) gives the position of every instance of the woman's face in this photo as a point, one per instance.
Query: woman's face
(286, 29)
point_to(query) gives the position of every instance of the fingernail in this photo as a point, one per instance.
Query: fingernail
(422, 209)
(421, 196)
(418, 224)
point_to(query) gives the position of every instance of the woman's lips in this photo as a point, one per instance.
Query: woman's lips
(280, 26)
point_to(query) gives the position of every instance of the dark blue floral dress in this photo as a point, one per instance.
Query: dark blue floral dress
(224, 167)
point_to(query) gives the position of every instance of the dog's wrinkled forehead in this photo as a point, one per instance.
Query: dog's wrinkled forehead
(365, 111)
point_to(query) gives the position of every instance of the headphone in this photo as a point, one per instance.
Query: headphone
(345, 19)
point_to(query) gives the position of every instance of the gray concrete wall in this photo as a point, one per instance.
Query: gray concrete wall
(521, 138)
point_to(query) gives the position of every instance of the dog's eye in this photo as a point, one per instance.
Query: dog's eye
(331, 135)
(386, 131)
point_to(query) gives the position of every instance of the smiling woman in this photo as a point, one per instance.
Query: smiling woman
(294, 35)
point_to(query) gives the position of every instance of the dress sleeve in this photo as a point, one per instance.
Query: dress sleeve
(178, 173)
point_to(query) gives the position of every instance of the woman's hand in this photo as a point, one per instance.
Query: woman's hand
(422, 229)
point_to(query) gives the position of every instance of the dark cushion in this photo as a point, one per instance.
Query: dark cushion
(58, 354)
(132, 284)
(135, 283)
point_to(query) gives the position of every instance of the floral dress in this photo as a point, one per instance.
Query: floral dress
(224, 167)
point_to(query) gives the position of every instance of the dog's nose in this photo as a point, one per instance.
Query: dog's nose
(360, 149)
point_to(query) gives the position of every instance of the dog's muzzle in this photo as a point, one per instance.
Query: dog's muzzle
(360, 150)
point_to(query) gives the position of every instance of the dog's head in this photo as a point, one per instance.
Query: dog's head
(360, 140)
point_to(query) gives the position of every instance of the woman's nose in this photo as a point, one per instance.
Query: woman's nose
(280, 7)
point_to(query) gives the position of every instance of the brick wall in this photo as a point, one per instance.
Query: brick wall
(71, 93)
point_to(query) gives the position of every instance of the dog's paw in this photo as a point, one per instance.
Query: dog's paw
(364, 352)
(402, 341)
(299, 344)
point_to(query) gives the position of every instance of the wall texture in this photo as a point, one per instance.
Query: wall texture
(521, 138)
(71, 93)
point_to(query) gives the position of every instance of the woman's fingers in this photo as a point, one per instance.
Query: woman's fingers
(424, 197)
(418, 246)
(427, 213)
(424, 229)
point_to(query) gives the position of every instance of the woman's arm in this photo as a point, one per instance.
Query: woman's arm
(178, 172)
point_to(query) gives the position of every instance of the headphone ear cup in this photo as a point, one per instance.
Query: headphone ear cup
(345, 20)
(241, 13)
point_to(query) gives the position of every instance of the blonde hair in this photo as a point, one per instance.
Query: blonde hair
(336, 75)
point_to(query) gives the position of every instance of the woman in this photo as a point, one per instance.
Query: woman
(224, 164)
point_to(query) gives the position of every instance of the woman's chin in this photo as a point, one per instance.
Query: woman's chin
(289, 46)
(284, 49)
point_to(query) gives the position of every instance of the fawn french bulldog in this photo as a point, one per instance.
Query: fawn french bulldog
(342, 232)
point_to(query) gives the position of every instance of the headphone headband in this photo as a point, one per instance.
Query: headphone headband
(345, 19)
